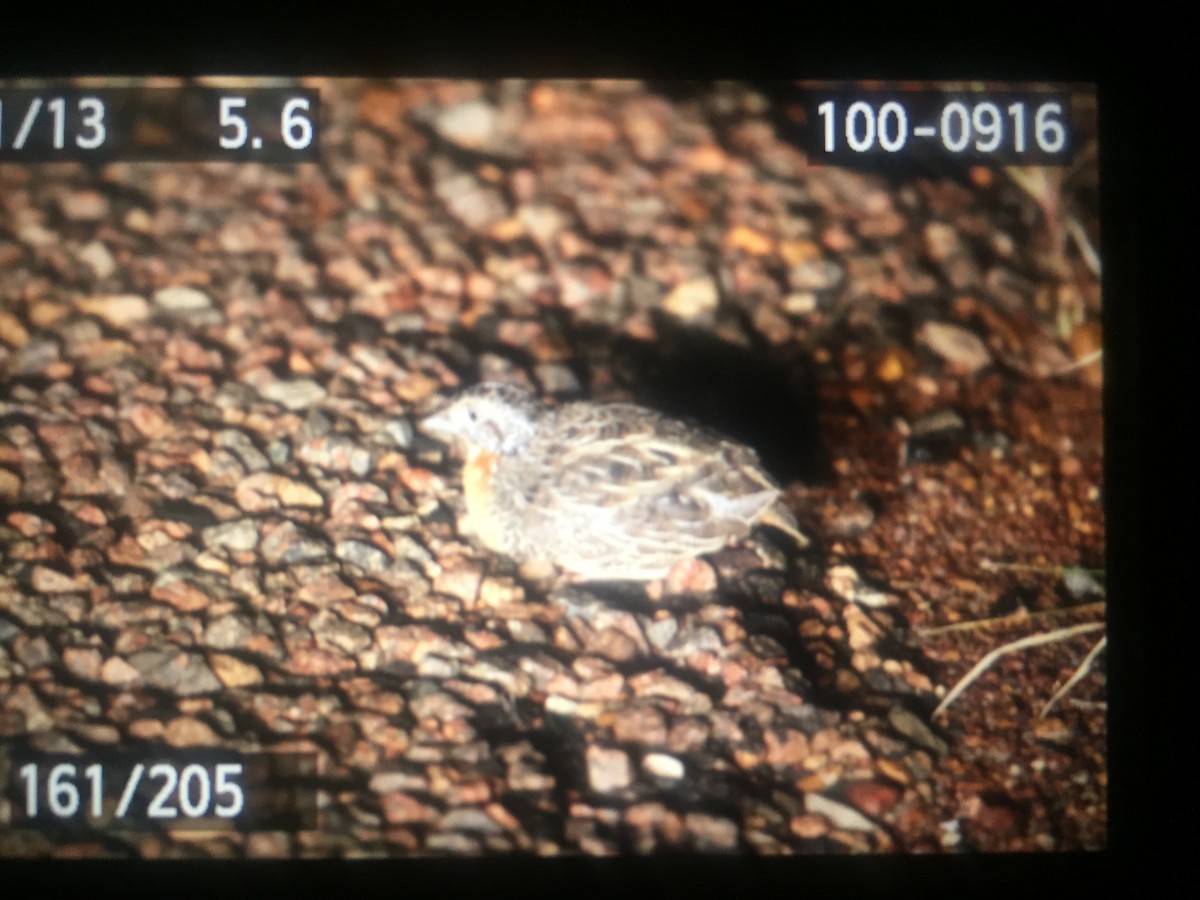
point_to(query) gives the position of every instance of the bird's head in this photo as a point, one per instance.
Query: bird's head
(499, 418)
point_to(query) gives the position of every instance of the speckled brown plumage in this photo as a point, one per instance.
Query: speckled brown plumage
(607, 492)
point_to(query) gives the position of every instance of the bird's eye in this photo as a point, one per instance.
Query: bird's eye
(472, 415)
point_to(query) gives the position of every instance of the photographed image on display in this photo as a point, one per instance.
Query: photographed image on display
(427, 467)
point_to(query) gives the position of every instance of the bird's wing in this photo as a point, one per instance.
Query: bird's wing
(639, 465)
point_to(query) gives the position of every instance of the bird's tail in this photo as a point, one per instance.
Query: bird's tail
(780, 517)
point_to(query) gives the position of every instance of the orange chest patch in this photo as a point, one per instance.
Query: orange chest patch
(478, 478)
(478, 473)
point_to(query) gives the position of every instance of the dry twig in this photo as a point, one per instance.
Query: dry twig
(1033, 640)
(1080, 673)
(1089, 585)
(1021, 615)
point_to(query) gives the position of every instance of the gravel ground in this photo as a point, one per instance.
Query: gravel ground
(221, 529)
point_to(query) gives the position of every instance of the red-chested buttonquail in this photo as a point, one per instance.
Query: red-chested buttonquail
(605, 491)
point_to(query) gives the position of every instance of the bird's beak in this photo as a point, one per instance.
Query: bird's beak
(438, 424)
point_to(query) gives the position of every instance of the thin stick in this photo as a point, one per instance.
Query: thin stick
(1033, 640)
(1084, 668)
(991, 565)
(1035, 185)
(1090, 256)
(1020, 616)
(1080, 363)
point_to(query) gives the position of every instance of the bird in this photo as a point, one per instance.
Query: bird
(604, 491)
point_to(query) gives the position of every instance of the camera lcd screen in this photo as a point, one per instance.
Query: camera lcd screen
(408, 467)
